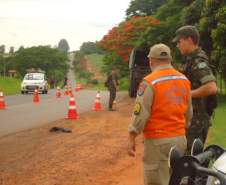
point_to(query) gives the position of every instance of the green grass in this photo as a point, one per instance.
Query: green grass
(97, 60)
(10, 85)
(221, 85)
(124, 84)
(217, 133)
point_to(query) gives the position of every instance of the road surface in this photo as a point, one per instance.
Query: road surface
(22, 113)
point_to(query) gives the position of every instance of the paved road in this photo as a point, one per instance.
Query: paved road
(22, 113)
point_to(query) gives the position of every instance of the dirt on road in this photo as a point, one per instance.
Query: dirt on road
(95, 153)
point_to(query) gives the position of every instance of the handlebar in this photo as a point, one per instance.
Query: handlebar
(192, 166)
(211, 152)
(206, 171)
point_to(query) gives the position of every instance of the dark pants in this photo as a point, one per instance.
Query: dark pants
(112, 91)
(198, 129)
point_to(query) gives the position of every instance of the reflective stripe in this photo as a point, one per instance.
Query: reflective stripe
(168, 78)
(72, 107)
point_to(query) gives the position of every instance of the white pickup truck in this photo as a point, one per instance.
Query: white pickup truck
(32, 81)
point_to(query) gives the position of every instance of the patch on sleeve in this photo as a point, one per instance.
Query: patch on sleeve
(141, 89)
(137, 108)
(202, 65)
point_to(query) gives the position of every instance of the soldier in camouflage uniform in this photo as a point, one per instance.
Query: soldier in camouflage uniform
(112, 87)
(203, 82)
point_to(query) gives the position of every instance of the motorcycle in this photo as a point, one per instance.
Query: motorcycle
(203, 167)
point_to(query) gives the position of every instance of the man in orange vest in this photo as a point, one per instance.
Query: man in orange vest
(162, 112)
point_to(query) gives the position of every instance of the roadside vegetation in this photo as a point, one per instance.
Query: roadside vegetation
(10, 85)
(95, 79)
(97, 60)
(51, 60)
(218, 129)
(153, 21)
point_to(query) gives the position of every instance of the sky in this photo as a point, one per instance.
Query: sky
(45, 22)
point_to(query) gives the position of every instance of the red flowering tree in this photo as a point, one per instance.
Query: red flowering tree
(127, 34)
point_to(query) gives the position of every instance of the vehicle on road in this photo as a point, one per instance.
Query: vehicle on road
(139, 68)
(34, 80)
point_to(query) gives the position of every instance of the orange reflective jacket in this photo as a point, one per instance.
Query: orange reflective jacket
(170, 102)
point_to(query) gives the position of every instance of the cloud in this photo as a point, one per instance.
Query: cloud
(35, 22)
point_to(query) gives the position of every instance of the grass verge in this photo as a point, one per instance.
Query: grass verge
(10, 85)
(97, 60)
(218, 130)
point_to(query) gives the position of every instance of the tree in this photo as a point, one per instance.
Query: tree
(52, 61)
(143, 7)
(63, 46)
(90, 47)
(2, 49)
(78, 58)
(11, 50)
(218, 55)
(112, 60)
(127, 35)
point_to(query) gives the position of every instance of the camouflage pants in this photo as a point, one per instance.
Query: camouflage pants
(112, 96)
(199, 127)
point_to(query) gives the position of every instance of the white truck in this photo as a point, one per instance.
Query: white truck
(34, 80)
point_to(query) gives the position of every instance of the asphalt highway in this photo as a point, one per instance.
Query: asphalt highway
(21, 113)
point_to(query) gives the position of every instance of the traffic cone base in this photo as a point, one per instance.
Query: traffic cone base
(36, 96)
(78, 87)
(66, 90)
(58, 93)
(2, 102)
(72, 112)
(97, 104)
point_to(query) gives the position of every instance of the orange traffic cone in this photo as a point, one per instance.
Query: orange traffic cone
(58, 93)
(78, 87)
(72, 112)
(70, 91)
(97, 104)
(66, 90)
(36, 96)
(2, 102)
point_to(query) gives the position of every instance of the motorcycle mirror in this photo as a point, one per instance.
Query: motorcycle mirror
(197, 147)
(174, 155)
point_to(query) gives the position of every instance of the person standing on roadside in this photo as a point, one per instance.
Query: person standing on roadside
(65, 81)
(112, 84)
(162, 112)
(203, 82)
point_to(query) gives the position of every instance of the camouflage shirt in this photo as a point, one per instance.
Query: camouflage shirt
(198, 71)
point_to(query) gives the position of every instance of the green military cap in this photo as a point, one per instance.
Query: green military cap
(187, 31)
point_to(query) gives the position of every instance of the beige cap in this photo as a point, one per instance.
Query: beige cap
(160, 51)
